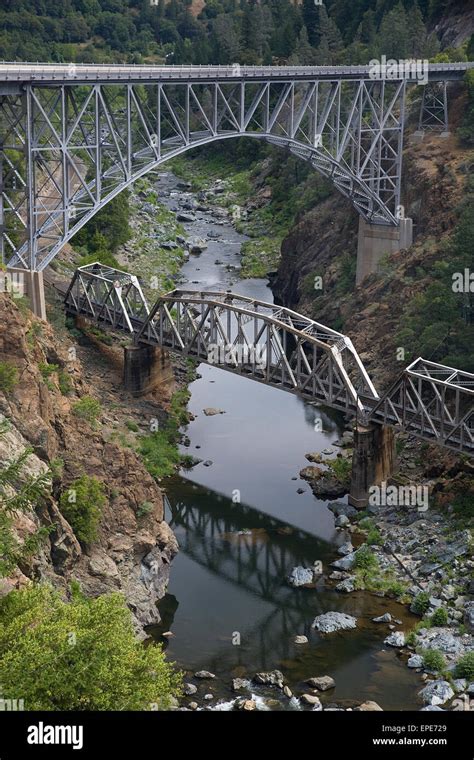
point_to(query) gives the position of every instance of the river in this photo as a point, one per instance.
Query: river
(242, 526)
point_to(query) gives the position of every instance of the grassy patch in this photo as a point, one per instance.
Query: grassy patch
(87, 408)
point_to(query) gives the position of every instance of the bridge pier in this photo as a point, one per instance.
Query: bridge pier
(376, 241)
(28, 283)
(373, 461)
(145, 368)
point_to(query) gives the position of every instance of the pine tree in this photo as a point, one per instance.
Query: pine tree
(19, 492)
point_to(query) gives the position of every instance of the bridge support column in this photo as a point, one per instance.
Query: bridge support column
(373, 461)
(376, 241)
(145, 368)
(29, 283)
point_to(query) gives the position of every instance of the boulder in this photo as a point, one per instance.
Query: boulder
(437, 693)
(415, 661)
(385, 618)
(270, 678)
(311, 699)
(345, 548)
(189, 688)
(300, 640)
(395, 639)
(330, 622)
(469, 616)
(347, 585)
(300, 576)
(338, 508)
(240, 683)
(369, 706)
(204, 674)
(346, 563)
(322, 683)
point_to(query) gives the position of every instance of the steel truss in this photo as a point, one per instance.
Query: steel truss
(434, 108)
(279, 347)
(67, 148)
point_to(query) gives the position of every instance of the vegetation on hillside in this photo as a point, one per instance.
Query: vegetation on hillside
(225, 31)
(81, 655)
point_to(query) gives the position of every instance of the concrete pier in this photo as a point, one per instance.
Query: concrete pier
(145, 368)
(373, 461)
(29, 283)
(376, 241)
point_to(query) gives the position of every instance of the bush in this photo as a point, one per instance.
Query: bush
(365, 559)
(465, 667)
(82, 506)
(8, 377)
(144, 509)
(433, 660)
(81, 655)
(87, 408)
(440, 617)
(341, 468)
(420, 603)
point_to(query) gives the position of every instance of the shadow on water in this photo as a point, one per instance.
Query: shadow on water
(228, 585)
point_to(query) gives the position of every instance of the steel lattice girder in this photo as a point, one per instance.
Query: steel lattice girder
(70, 148)
(430, 400)
(434, 108)
(433, 401)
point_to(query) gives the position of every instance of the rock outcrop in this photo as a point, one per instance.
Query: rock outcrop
(135, 547)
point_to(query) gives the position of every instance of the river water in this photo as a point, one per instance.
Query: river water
(242, 526)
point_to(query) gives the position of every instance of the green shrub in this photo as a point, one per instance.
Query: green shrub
(64, 381)
(421, 603)
(374, 537)
(433, 660)
(132, 426)
(79, 655)
(144, 509)
(365, 559)
(160, 454)
(341, 468)
(8, 377)
(82, 506)
(465, 667)
(439, 617)
(87, 408)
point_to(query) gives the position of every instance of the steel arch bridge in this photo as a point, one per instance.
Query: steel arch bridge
(72, 137)
(279, 347)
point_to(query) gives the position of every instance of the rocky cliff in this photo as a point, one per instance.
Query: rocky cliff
(135, 546)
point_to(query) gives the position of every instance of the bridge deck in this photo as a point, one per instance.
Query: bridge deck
(54, 72)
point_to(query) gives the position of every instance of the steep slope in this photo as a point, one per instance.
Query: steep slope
(134, 546)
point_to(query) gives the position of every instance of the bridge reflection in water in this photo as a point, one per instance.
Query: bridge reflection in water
(230, 575)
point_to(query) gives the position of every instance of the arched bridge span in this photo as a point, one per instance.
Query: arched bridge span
(72, 137)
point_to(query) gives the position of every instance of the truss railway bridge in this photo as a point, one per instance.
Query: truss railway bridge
(428, 400)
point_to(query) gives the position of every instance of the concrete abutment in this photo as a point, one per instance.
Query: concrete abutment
(375, 241)
(145, 368)
(373, 461)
